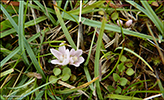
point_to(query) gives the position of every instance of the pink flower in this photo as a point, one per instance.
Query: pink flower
(62, 55)
(119, 22)
(129, 22)
(75, 58)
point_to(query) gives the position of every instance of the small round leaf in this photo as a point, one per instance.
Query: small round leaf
(123, 81)
(53, 79)
(123, 58)
(116, 77)
(110, 88)
(129, 64)
(65, 77)
(73, 78)
(66, 70)
(56, 71)
(121, 67)
(129, 71)
(114, 16)
(118, 90)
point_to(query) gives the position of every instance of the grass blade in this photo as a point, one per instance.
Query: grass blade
(64, 27)
(47, 14)
(35, 90)
(23, 40)
(7, 72)
(150, 13)
(122, 97)
(21, 32)
(24, 85)
(9, 56)
(97, 57)
(10, 18)
(87, 61)
(33, 59)
(13, 53)
(27, 24)
(87, 8)
(126, 49)
(108, 27)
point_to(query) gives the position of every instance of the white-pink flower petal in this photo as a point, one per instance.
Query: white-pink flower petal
(55, 53)
(62, 48)
(78, 53)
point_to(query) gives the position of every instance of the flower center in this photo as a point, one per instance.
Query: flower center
(74, 58)
(61, 58)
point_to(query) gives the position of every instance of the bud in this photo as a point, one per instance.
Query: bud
(129, 22)
(119, 22)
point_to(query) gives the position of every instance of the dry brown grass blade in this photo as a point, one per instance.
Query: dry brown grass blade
(71, 87)
(157, 46)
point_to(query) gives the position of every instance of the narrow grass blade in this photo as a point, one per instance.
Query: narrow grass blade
(7, 72)
(115, 66)
(23, 40)
(10, 18)
(24, 85)
(33, 59)
(109, 27)
(34, 90)
(7, 52)
(122, 97)
(64, 27)
(87, 8)
(21, 32)
(159, 83)
(27, 24)
(150, 13)
(9, 56)
(126, 90)
(153, 17)
(46, 13)
(87, 61)
(14, 53)
(97, 57)
(126, 49)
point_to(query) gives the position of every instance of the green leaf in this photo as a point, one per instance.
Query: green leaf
(116, 77)
(53, 79)
(121, 67)
(110, 88)
(73, 78)
(114, 16)
(123, 81)
(123, 58)
(66, 70)
(56, 71)
(65, 77)
(129, 71)
(66, 73)
(129, 64)
(118, 90)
